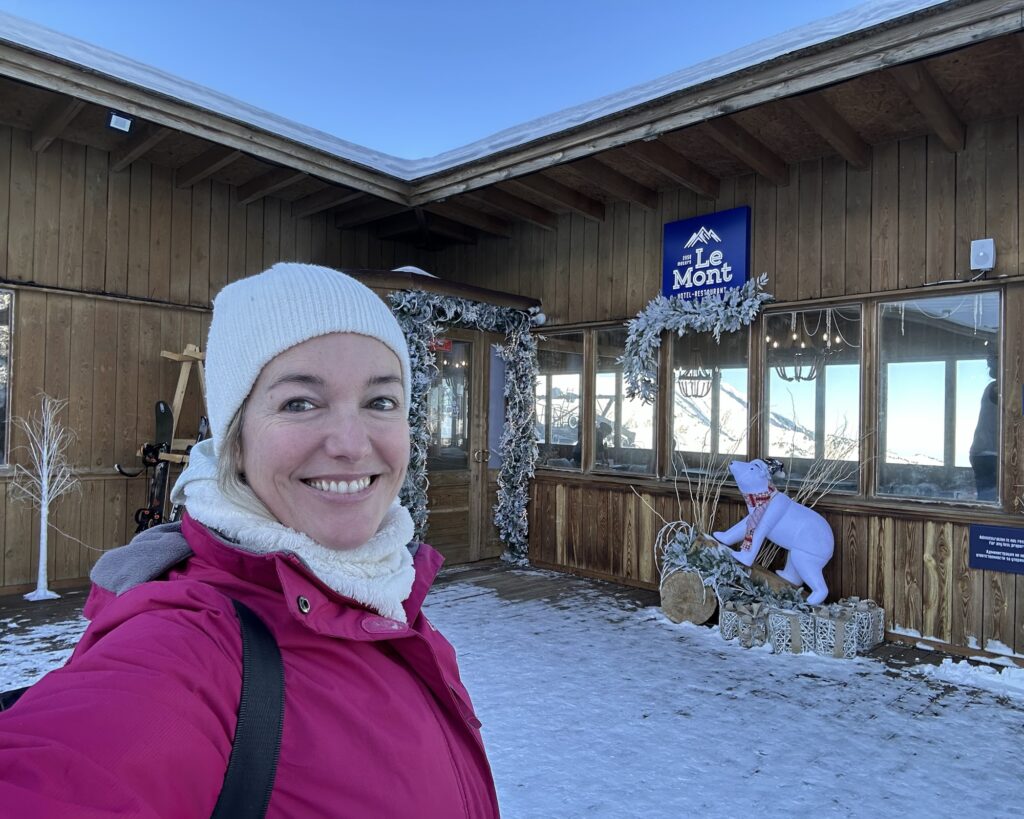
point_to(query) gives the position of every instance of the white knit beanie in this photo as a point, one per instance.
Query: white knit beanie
(257, 318)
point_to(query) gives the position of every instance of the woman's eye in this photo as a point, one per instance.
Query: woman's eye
(298, 405)
(384, 404)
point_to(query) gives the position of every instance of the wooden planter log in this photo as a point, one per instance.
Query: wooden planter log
(684, 597)
(773, 581)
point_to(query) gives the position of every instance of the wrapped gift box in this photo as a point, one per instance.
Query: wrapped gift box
(753, 624)
(835, 632)
(729, 620)
(792, 631)
(745, 619)
(870, 620)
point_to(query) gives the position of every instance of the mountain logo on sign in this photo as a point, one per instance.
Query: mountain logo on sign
(704, 235)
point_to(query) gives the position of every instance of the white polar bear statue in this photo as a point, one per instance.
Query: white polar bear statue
(774, 516)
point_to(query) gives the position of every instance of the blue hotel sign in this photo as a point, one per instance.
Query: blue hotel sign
(997, 548)
(706, 255)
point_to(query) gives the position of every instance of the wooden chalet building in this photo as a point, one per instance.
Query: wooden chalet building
(870, 159)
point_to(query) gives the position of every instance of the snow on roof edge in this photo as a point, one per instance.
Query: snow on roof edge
(815, 33)
(28, 35)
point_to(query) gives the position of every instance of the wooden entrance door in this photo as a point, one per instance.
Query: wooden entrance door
(465, 416)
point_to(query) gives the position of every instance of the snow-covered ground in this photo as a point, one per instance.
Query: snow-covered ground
(592, 708)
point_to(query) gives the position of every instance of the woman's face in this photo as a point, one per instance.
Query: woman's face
(325, 440)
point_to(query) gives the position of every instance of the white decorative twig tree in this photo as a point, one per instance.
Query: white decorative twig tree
(47, 477)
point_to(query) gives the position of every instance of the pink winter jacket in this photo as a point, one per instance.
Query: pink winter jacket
(139, 722)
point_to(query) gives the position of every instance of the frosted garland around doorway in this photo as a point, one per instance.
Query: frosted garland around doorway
(424, 317)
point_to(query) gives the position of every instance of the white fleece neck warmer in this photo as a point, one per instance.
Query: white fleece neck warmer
(379, 574)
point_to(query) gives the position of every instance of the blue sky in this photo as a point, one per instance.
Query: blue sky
(414, 79)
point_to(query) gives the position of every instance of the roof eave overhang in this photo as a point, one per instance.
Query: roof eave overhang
(913, 37)
(94, 87)
(918, 36)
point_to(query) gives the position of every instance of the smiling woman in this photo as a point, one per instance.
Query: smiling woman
(326, 449)
(292, 511)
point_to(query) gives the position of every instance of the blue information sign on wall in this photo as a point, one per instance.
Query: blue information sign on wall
(997, 548)
(706, 255)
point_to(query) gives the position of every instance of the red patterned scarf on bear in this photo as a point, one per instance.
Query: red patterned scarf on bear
(757, 504)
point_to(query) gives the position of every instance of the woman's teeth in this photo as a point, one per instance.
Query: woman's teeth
(341, 487)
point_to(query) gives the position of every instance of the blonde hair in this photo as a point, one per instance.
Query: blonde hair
(230, 477)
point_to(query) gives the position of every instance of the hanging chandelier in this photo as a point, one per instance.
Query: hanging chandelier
(803, 360)
(694, 382)
(803, 367)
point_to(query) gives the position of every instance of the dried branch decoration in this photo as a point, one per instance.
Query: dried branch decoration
(47, 478)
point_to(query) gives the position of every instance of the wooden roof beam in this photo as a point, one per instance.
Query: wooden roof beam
(617, 184)
(363, 210)
(561, 195)
(448, 229)
(928, 98)
(815, 110)
(323, 200)
(136, 146)
(473, 218)
(400, 224)
(268, 183)
(418, 226)
(205, 165)
(54, 120)
(674, 165)
(422, 223)
(749, 150)
(514, 206)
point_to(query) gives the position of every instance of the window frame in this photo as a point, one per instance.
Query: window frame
(668, 351)
(864, 447)
(582, 410)
(949, 424)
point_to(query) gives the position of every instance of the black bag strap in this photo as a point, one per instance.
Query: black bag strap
(257, 743)
(8, 698)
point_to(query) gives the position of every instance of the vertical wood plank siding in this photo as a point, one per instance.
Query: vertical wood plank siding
(833, 231)
(68, 223)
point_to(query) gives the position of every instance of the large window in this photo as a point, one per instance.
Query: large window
(6, 325)
(710, 407)
(938, 395)
(558, 395)
(624, 434)
(889, 398)
(812, 394)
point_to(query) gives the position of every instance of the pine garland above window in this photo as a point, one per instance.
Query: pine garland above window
(724, 313)
(424, 317)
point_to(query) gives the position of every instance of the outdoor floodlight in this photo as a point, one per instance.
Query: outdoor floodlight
(119, 122)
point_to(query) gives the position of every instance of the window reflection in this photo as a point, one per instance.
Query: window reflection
(557, 400)
(448, 407)
(939, 397)
(812, 394)
(710, 407)
(624, 437)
